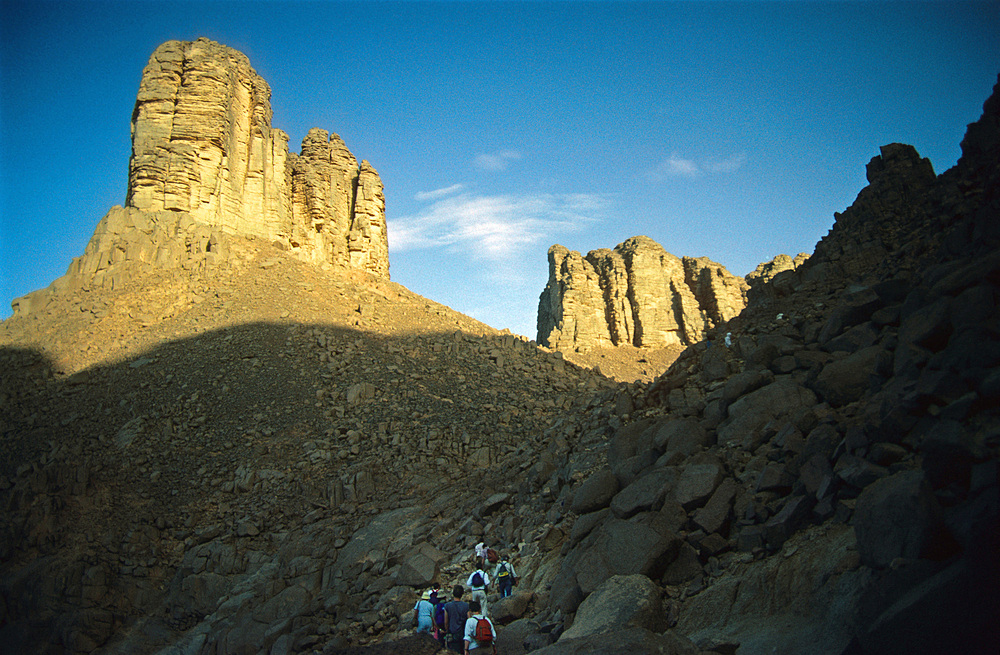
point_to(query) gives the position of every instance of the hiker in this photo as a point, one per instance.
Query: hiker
(492, 556)
(479, 630)
(479, 583)
(456, 612)
(440, 618)
(423, 613)
(436, 593)
(504, 576)
(481, 549)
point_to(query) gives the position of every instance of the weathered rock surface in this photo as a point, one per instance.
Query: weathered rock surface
(206, 164)
(266, 456)
(767, 271)
(639, 641)
(622, 601)
(637, 294)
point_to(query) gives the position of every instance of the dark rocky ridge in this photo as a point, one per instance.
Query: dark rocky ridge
(267, 457)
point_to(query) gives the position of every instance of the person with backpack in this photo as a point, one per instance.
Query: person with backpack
(492, 556)
(440, 618)
(436, 593)
(504, 576)
(481, 549)
(479, 583)
(456, 613)
(479, 630)
(423, 613)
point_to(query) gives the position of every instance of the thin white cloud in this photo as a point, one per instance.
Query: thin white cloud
(439, 193)
(497, 161)
(494, 227)
(728, 165)
(676, 166)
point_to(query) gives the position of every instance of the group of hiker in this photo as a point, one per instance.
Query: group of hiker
(462, 626)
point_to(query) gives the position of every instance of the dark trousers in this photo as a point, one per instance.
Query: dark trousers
(455, 642)
(505, 585)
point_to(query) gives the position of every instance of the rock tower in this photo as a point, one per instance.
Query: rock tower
(206, 164)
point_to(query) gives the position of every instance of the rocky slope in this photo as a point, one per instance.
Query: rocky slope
(158, 461)
(259, 454)
(830, 483)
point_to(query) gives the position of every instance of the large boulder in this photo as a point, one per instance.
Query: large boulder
(801, 601)
(642, 544)
(622, 601)
(697, 482)
(645, 494)
(595, 493)
(772, 403)
(511, 608)
(631, 641)
(631, 450)
(420, 566)
(898, 516)
(684, 436)
(956, 605)
(845, 380)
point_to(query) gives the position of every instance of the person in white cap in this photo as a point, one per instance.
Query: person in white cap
(423, 613)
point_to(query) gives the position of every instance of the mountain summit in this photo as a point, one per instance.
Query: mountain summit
(206, 164)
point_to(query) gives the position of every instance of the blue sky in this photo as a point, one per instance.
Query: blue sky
(732, 130)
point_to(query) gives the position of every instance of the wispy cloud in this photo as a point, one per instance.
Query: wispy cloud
(676, 166)
(439, 193)
(497, 161)
(728, 165)
(494, 227)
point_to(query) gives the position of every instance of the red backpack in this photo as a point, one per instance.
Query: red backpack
(484, 631)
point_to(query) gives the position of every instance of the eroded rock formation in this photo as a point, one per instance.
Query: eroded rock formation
(767, 271)
(637, 294)
(206, 164)
(202, 143)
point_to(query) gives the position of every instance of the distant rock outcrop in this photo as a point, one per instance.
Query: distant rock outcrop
(637, 294)
(767, 271)
(206, 164)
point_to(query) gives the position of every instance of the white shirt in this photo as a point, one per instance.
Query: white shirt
(486, 580)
